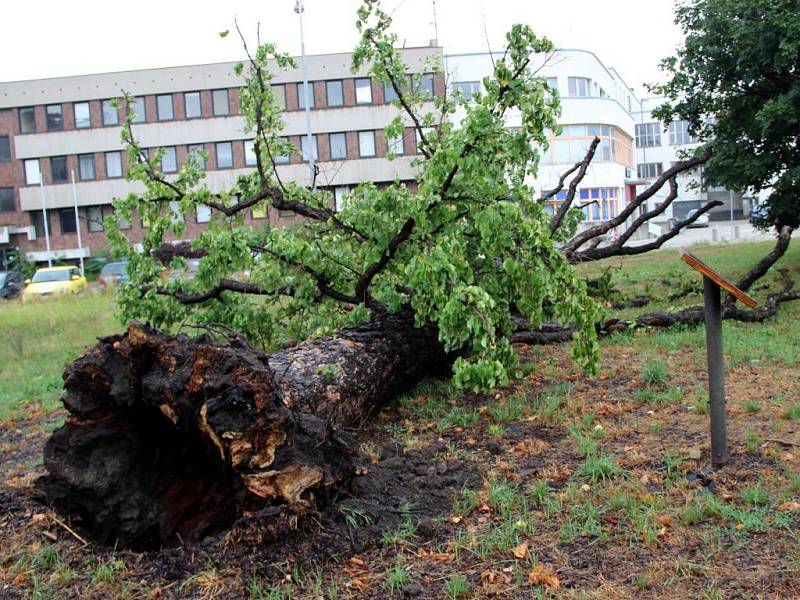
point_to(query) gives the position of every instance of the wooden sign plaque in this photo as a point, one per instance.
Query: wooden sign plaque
(701, 267)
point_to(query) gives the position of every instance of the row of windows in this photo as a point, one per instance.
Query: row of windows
(598, 204)
(109, 114)
(220, 103)
(571, 145)
(223, 154)
(577, 86)
(649, 170)
(648, 135)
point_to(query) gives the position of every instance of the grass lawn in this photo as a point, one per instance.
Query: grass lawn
(555, 486)
(39, 339)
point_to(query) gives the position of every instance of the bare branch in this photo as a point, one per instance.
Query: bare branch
(555, 222)
(581, 238)
(224, 285)
(596, 253)
(760, 269)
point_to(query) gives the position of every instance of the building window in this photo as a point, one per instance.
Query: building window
(110, 113)
(27, 120)
(335, 93)
(259, 211)
(5, 149)
(424, 86)
(194, 150)
(83, 116)
(164, 107)
(203, 213)
(649, 170)
(282, 160)
(138, 108)
(571, 144)
(679, 134)
(169, 160)
(38, 222)
(468, 90)
(94, 218)
(648, 135)
(58, 169)
(279, 96)
(219, 100)
(366, 143)
(301, 95)
(7, 202)
(364, 91)
(552, 83)
(175, 212)
(389, 95)
(86, 166)
(33, 176)
(338, 143)
(579, 86)
(395, 145)
(224, 155)
(599, 204)
(113, 164)
(54, 114)
(192, 105)
(339, 196)
(67, 218)
(250, 153)
(313, 151)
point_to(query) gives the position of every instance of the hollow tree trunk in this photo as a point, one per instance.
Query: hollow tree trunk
(170, 438)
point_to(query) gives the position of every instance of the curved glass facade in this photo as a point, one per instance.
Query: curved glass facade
(571, 145)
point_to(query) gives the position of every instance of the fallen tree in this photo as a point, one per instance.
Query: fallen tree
(171, 438)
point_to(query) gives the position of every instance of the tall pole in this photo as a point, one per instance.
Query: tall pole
(299, 8)
(77, 220)
(716, 372)
(46, 226)
(730, 200)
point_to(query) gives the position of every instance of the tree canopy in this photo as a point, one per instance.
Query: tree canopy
(736, 80)
(467, 251)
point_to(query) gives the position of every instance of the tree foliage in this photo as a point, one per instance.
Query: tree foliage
(467, 250)
(736, 80)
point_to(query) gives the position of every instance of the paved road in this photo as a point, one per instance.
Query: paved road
(700, 235)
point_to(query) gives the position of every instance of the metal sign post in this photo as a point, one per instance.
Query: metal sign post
(713, 282)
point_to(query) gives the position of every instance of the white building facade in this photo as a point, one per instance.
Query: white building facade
(658, 147)
(595, 101)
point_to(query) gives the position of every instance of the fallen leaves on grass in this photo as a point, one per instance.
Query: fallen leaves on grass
(543, 576)
(789, 506)
(521, 551)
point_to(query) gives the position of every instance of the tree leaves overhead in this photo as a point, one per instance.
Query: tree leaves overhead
(736, 80)
(466, 250)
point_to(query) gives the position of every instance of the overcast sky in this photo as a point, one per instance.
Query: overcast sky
(51, 38)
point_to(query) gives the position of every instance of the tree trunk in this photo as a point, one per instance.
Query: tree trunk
(170, 438)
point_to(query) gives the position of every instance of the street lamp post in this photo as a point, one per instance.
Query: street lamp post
(299, 8)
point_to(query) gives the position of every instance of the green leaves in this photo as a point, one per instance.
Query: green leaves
(467, 250)
(735, 81)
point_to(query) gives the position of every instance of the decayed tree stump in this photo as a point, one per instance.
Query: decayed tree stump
(170, 438)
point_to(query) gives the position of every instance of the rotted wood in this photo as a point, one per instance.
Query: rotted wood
(170, 438)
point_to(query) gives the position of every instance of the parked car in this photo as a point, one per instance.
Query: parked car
(113, 274)
(189, 272)
(758, 213)
(55, 280)
(702, 220)
(11, 284)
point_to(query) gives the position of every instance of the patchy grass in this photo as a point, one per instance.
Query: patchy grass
(580, 488)
(39, 339)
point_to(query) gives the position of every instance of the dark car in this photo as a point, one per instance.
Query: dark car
(11, 284)
(113, 274)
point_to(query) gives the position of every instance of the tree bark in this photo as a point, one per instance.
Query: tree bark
(170, 438)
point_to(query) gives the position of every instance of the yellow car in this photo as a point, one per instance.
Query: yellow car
(54, 280)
